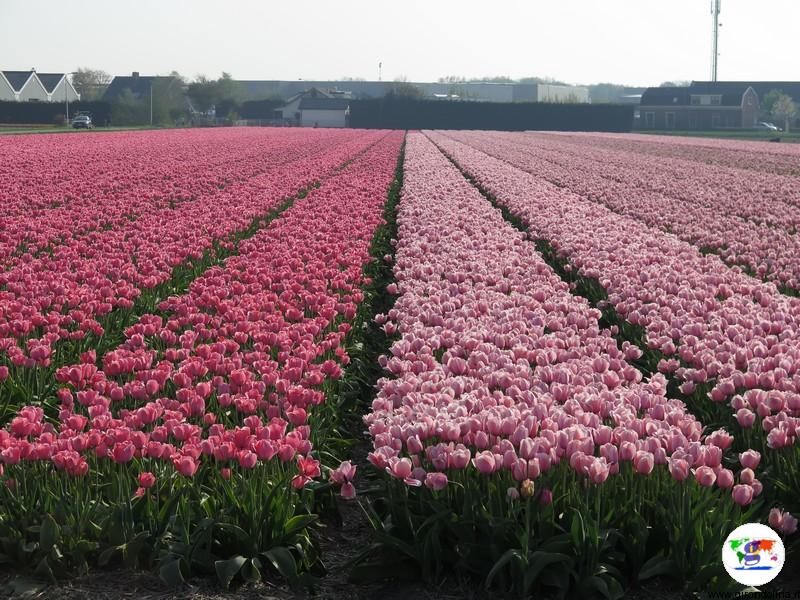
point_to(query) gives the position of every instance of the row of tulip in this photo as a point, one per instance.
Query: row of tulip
(197, 443)
(760, 198)
(502, 388)
(730, 341)
(781, 159)
(707, 220)
(56, 306)
(748, 193)
(60, 187)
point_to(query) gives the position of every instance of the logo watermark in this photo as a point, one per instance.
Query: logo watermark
(753, 554)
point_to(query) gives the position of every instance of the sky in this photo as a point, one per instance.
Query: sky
(635, 42)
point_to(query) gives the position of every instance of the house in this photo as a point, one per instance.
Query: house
(699, 106)
(58, 87)
(139, 86)
(762, 88)
(315, 108)
(30, 86)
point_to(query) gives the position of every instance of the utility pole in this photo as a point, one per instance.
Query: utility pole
(66, 93)
(380, 64)
(716, 6)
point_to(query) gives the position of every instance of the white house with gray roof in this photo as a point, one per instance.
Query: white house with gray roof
(30, 86)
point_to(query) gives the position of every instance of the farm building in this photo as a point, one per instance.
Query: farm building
(699, 106)
(475, 91)
(315, 108)
(30, 86)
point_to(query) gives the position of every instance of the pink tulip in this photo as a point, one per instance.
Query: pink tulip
(147, 480)
(679, 469)
(747, 476)
(742, 494)
(725, 478)
(348, 491)
(484, 462)
(705, 476)
(436, 481)
(185, 465)
(750, 459)
(643, 462)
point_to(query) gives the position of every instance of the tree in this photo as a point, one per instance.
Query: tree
(403, 89)
(229, 89)
(768, 101)
(202, 93)
(91, 84)
(676, 83)
(452, 79)
(784, 109)
(205, 93)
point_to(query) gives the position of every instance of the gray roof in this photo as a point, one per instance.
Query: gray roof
(324, 104)
(791, 88)
(665, 96)
(17, 79)
(50, 80)
(139, 85)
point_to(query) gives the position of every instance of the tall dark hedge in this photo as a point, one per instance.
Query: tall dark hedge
(45, 113)
(402, 113)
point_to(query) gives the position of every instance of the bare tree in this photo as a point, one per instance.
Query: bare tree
(91, 84)
(784, 109)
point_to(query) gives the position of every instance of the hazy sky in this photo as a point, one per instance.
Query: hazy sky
(639, 42)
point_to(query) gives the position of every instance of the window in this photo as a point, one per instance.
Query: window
(715, 121)
(670, 120)
(650, 120)
(716, 100)
(695, 100)
(692, 120)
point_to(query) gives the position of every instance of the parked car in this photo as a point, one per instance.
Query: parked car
(82, 122)
(764, 126)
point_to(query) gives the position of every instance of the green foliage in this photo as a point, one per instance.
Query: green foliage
(91, 84)
(206, 93)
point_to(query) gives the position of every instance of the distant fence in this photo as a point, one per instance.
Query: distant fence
(49, 113)
(394, 113)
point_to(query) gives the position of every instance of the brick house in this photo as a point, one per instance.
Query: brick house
(700, 106)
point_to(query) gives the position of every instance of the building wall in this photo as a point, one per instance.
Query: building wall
(33, 90)
(487, 92)
(6, 91)
(685, 118)
(57, 95)
(290, 110)
(750, 108)
(324, 118)
(561, 93)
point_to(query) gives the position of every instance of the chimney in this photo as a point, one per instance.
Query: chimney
(136, 74)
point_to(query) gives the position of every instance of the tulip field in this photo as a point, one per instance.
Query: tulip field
(550, 363)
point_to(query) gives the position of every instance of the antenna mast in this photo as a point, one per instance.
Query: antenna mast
(716, 6)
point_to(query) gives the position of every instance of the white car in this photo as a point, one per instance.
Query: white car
(764, 126)
(82, 122)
